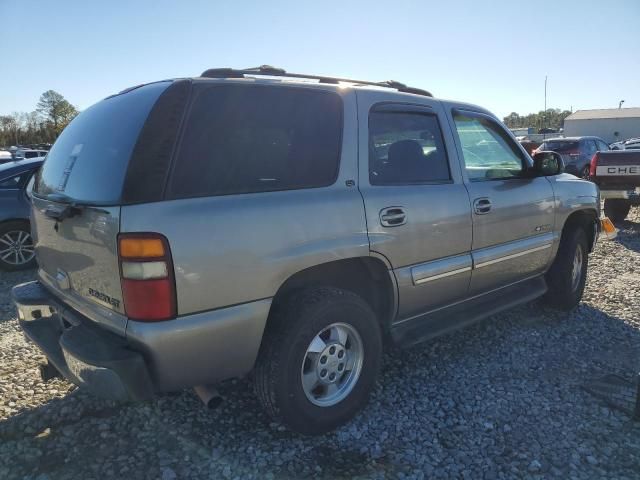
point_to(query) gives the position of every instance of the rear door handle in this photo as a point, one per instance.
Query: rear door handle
(481, 206)
(393, 217)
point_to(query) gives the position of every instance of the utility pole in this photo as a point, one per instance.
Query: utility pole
(544, 118)
(620, 104)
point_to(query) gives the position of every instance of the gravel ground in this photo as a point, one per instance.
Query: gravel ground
(502, 399)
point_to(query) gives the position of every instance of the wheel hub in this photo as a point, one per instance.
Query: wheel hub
(330, 365)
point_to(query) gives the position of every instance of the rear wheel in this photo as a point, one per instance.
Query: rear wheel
(568, 274)
(319, 360)
(16, 246)
(616, 209)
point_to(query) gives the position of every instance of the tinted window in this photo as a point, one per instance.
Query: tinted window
(560, 146)
(590, 147)
(406, 148)
(488, 152)
(89, 160)
(14, 182)
(602, 147)
(243, 139)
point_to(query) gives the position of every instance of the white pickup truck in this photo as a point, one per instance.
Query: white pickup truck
(617, 174)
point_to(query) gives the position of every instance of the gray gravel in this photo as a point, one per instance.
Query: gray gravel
(502, 399)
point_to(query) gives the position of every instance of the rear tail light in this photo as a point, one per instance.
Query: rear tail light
(146, 275)
(594, 164)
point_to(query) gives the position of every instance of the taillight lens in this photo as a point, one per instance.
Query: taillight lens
(594, 164)
(146, 275)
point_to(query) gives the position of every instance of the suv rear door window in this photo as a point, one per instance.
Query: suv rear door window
(89, 160)
(406, 148)
(244, 139)
(488, 152)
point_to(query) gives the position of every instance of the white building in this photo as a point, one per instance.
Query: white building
(610, 124)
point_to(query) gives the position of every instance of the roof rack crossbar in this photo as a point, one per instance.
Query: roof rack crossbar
(269, 71)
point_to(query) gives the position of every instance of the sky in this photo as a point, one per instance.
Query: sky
(492, 53)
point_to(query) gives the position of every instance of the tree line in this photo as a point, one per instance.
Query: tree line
(53, 112)
(552, 118)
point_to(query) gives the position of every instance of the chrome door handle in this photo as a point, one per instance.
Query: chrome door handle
(481, 206)
(393, 217)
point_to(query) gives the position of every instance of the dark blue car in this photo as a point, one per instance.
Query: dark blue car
(16, 244)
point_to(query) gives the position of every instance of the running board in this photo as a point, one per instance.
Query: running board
(442, 321)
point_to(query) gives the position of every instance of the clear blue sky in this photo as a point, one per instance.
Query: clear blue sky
(495, 53)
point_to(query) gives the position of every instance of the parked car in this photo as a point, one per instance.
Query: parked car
(576, 152)
(16, 243)
(5, 156)
(27, 153)
(617, 174)
(287, 229)
(629, 144)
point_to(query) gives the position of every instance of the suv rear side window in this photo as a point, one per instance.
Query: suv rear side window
(244, 139)
(488, 152)
(406, 148)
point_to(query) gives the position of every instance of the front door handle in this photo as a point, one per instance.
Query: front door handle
(393, 217)
(481, 206)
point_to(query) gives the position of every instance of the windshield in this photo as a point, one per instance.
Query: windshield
(89, 160)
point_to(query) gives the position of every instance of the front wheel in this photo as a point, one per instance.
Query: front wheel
(319, 360)
(568, 274)
(616, 209)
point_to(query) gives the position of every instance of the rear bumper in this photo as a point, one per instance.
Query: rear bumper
(85, 354)
(192, 350)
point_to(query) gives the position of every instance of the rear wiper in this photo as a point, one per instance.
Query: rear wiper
(68, 209)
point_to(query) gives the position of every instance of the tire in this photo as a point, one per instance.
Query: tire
(18, 234)
(283, 359)
(566, 286)
(616, 209)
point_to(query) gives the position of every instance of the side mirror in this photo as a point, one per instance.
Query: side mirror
(546, 164)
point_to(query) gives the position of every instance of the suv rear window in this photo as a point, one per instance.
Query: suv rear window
(560, 146)
(243, 139)
(89, 160)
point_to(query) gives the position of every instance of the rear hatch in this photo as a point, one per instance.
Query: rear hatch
(569, 150)
(77, 198)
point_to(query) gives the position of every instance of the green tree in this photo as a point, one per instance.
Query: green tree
(56, 110)
(552, 118)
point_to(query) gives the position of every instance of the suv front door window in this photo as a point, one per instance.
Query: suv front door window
(486, 150)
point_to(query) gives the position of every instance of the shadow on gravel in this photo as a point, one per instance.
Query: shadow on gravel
(490, 398)
(629, 234)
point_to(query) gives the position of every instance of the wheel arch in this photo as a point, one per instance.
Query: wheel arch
(368, 277)
(586, 219)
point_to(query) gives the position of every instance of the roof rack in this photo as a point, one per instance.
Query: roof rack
(269, 71)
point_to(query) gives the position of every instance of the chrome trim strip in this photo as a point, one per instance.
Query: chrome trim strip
(513, 255)
(442, 275)
(441, 268)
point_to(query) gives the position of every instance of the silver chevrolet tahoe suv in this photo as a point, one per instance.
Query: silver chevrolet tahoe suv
(254, 222)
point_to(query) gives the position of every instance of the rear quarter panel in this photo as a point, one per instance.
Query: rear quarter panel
(233, 249)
